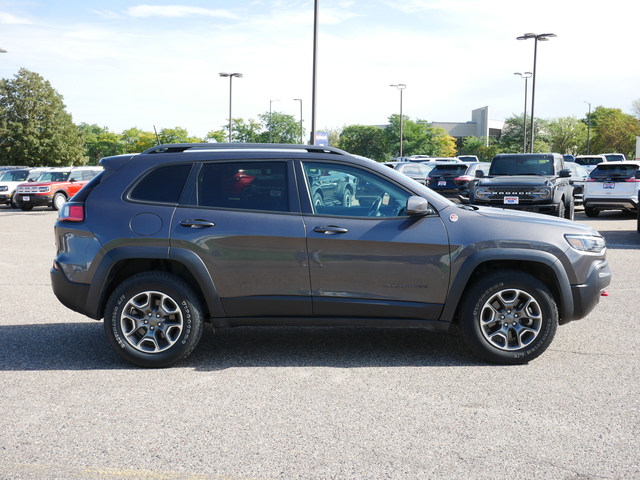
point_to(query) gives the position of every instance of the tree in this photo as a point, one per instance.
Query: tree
(419, 138)
(365, 140)
(35, 129)
(136, 140)
(99, 142)
(614, 131)
(216, 136)
(177, 135)
(567, 135)
(244, 132)
(279, 128)
(511, 140)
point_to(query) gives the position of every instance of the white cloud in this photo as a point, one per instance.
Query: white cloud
(177, 11)
(9, 19)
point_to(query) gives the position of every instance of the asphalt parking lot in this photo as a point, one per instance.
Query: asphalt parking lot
(295, 403)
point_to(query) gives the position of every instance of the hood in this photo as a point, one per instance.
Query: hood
(520, 180)
(511, 215)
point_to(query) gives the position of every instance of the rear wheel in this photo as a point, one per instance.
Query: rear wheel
(591, 211)
(509, 317)
(570, 209)
(153, 319)
(26, 208)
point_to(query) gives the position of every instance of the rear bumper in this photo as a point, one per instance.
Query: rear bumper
(630, 203)
(35, 200)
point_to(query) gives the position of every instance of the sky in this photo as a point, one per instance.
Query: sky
(155, 64)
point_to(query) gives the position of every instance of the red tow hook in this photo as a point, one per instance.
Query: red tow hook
(604, 293)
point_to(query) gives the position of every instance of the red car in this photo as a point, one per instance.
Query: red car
(54, 187)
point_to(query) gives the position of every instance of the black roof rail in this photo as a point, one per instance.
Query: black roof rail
(183, 147)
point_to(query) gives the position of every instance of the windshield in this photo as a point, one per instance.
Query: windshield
(521, 166)
(14, 176)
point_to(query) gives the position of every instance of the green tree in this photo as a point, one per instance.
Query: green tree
(100, 142)
(279, 127)
(511, 140)
(567, 135)
(136, 140)
(365, 140)
(244, 132)
(177, 135)
(613, 131)
(216, 136)
(419, 138)
(35, 129)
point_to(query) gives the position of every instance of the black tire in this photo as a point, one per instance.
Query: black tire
(591, 212)
(508, 317)
(59, 199)
(638, 214)
(560, 209)
(347, 198)
(570, 210)
(26, 208)
(153, 319)
(317, 199)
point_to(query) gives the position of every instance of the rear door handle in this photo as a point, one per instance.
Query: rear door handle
(330, 230)
(197, 223)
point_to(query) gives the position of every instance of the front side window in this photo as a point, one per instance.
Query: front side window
(244, 185)
(343, 190)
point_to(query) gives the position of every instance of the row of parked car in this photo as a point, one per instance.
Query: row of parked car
(544, 183)
(28, 187)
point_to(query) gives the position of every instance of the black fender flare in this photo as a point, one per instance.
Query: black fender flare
(463, 275)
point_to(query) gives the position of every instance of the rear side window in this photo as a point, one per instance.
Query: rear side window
(244, 185)
(162, 185)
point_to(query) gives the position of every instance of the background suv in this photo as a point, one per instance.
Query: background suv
(158, 244)
(612, 186)
(10, 179)
(54, 187)
(454, 180)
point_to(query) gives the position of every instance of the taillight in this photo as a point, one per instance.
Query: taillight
(632, 180)
(591, 180)
(463, 178)
(71, 212)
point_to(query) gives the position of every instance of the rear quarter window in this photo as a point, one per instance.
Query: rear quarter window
(162, 185)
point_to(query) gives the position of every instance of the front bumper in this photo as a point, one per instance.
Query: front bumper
(549, 208)
(587, 295)
(34, 200)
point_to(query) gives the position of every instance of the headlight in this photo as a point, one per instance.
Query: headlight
(480, 192)
(544, 192)
(587, 243)
(4, 189)
(44, 189)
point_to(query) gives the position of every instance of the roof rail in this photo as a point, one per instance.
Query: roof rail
(183, 147)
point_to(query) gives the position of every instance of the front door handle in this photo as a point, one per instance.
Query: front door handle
(197, 223)
(330, 230)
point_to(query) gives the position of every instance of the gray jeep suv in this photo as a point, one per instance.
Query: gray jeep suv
(236, 234)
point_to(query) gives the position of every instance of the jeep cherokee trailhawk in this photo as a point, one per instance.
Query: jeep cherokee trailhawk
(163, 241)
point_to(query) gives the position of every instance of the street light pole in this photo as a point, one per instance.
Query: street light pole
(230, 75)
(300, 100)
(315, 72)
(401, 87)
(543, 37)
(526, 76)
(270, 123)
(588, 126)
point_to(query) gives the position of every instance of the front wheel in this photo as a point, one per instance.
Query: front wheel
(570, 210)
(509, 317)
(153, 319)
(59, 200)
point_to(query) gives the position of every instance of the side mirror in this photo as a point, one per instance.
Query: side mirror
(638, 174)
(479, 174)
(418, 206)
(564, 173)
